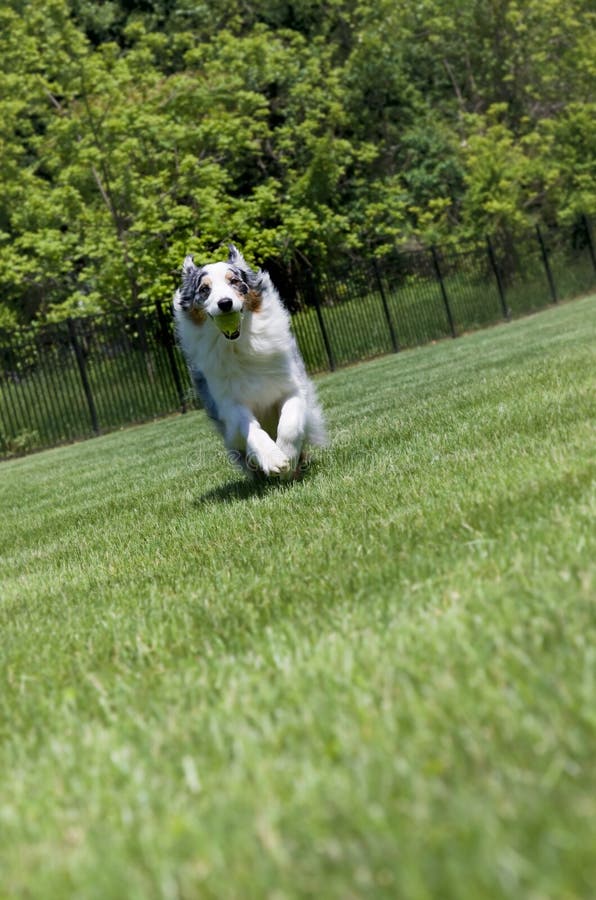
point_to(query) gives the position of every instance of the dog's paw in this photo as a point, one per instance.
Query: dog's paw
(274, 462)
(281, 468)
(294, 456)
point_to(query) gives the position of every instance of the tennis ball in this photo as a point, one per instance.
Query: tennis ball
(229, 324)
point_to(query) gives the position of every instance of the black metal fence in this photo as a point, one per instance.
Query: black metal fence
(85, 376)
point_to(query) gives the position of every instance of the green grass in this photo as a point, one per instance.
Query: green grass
(377, 682)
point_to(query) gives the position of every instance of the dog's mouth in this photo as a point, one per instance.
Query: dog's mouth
(229, 324)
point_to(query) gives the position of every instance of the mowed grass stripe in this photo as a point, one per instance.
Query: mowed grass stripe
(376, 682)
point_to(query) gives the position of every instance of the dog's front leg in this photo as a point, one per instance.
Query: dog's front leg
(244, 431)
(291, 427)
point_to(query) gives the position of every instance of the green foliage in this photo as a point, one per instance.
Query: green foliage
(132, 134)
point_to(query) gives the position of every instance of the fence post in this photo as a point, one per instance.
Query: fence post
(169, 345)
(314, 296)
(590, 239)
(435, 257)
(547, 269)
(80, 356)
(379, 279)
(497, 271)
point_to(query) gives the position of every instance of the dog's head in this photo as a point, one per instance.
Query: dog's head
(221, 291)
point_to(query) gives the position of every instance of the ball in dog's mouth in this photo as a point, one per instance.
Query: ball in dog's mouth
(229, 324)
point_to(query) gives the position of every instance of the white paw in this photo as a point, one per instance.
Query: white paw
(274, 462)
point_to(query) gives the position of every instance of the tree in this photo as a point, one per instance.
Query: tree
(131, 134)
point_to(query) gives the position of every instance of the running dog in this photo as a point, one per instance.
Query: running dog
(245, 365)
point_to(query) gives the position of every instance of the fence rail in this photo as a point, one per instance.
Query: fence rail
(85, 376)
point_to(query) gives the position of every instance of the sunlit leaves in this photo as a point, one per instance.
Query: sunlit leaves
(130, 136)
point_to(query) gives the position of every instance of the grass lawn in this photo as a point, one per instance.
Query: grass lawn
(377, 682)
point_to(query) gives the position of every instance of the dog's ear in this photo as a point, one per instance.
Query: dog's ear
(190, 275)
(253, 279)
(188, 265)
(236, 259)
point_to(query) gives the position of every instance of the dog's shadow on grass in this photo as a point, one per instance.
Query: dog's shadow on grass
(234, 491)
(242, 489)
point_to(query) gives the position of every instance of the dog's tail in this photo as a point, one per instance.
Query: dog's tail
(316, 429)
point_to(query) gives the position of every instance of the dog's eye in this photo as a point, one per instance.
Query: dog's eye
(238, 284)
(204, 291)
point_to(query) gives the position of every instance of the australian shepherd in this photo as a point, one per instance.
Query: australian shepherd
(245, 365)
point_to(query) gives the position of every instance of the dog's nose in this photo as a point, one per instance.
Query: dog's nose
(225, 305)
